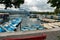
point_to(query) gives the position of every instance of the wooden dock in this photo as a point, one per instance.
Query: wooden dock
(51, 25)
(49, 20)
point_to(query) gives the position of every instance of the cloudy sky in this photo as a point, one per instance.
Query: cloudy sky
(36, 5)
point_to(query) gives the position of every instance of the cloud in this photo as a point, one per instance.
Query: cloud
(2, 6)
(37, 5)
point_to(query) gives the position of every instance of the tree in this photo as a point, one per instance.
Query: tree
(17, 3)
(55, 3)
(8, 3)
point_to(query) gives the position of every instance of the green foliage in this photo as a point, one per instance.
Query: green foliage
(17, 3)
(21, 1)
(8, 3)
(54, 3)
(47, 13)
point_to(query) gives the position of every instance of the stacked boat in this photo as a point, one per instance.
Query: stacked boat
(10, 26)
(32, 27)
